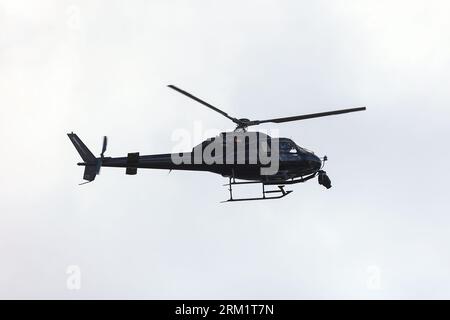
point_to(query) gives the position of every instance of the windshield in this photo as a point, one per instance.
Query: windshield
(303, 150)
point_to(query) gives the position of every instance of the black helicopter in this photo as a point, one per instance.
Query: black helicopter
(254, 163)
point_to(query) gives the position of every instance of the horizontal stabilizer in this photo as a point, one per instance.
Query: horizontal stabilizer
(132, 162)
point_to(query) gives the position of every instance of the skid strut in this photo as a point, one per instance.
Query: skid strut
(280, 191)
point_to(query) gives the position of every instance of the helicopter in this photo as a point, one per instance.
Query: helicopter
(242, 156)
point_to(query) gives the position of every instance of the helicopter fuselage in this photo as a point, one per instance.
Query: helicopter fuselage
(291, 161)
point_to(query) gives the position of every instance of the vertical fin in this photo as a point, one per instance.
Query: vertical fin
(84, 152)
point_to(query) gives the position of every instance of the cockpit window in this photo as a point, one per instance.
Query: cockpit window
(304, 150)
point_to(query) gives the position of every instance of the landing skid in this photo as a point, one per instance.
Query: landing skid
(282, 193)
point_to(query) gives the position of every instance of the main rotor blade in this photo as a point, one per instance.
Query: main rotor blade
(187, 94)
(306, 116)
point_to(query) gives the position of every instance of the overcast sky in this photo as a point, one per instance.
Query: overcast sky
(101, 68)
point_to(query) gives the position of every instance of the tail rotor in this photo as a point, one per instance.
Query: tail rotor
(102, 155)
(90, 162)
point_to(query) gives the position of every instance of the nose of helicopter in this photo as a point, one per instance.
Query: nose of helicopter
(315, 162)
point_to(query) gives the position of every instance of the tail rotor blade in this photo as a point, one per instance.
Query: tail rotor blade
(100, 161)
(105, 145)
